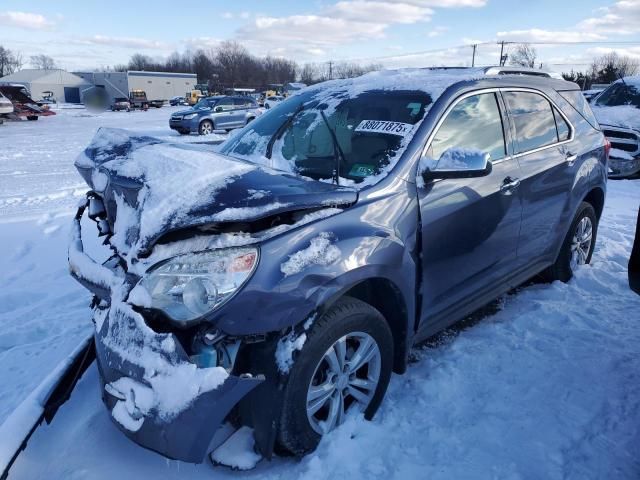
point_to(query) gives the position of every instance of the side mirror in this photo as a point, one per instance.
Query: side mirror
(459, 163)
(218, 109)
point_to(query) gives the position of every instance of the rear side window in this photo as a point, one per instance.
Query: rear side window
(474, 123)
(534, 120)
(579, 103)
(564, 131)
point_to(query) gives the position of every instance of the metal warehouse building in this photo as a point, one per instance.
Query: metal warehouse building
(65, 86)
(157, 85)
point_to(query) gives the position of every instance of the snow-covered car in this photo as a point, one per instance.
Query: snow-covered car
(618, 111)
(274, 285)
(6, 107)
(272, 101)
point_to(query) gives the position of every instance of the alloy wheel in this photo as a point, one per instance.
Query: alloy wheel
(206, 128)
(346, 377)
(581, 242)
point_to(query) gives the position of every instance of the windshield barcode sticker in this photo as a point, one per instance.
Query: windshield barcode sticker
(383, 126)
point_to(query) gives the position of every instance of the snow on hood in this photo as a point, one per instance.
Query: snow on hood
(626, 116)
(156, 187)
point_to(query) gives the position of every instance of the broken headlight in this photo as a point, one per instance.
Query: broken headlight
(188, 286)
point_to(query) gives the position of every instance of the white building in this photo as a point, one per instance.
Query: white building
(65, 86)
(157, 85)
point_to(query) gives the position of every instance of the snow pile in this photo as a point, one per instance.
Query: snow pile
(286, 346)
(238, 451)
(626, 116)
(321, 251)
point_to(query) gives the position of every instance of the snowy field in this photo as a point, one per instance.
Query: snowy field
(547, 387)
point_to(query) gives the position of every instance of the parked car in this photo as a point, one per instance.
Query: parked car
(215, 113)
(278, 282)
(120, 103)
(178, 100)
(272, 101)
(618, 110)
(6, 107)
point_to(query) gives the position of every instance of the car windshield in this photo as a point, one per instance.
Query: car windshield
(316, 134)
(620, 94)
(204, 103)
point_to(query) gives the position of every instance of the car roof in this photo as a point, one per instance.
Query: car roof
(435, 81)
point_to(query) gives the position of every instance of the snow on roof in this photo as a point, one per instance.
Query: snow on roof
(33, 75)
(432, 81)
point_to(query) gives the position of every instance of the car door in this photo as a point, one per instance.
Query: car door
(241, 106)
(543, 147)
(469, 226)
(224, 112)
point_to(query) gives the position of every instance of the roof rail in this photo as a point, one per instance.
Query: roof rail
(515, 70)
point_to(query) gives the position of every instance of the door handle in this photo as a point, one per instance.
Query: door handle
(571, 158)
(509, 185)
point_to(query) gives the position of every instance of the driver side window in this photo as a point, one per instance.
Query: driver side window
(474, 123)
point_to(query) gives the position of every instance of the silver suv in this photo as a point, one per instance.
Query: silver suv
(215, 113)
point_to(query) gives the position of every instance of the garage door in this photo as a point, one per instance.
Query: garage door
(72, 94)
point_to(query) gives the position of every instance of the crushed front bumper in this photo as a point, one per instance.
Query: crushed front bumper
(188, 435)
(122, 338)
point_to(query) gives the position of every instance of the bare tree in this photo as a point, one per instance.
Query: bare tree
(524, 55)
(139, 61)
(611, 66)
(42, 62)
(9, 61)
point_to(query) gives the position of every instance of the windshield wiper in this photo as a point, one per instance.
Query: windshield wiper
(338, 154)
(281, 129)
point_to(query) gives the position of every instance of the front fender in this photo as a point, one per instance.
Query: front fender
(367, 250)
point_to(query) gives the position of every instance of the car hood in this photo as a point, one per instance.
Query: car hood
(626, 116)
(190, 110)
(150, 187)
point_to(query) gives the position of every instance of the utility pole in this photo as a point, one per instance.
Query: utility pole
(330, 70)
(473, 58)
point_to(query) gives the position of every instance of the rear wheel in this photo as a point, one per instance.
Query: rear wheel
(206, 127)
(32, 117)
(345, 365)
(577, 247)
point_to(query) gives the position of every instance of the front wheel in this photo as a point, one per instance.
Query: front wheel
(205, 128)
(32, 118)
(577, 247)
(345, 365)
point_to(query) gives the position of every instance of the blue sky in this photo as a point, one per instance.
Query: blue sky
(80, 35)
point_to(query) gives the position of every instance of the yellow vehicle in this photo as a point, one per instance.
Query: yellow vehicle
(193, 97)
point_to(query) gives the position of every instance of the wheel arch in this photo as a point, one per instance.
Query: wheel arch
(386, 297)
(595, 197)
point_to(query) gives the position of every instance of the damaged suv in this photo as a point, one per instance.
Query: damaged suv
(275, 284)
(618, 110)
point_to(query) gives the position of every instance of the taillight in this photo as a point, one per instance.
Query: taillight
(607, 147)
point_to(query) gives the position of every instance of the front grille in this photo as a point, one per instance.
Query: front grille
(623, 139)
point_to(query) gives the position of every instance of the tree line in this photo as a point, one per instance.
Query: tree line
(230, 65)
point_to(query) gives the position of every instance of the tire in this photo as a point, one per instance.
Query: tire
(33, 118)
(206, 127)
(347, 319)
(562, 269)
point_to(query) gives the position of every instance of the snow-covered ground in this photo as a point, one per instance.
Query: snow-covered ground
(546, 388)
